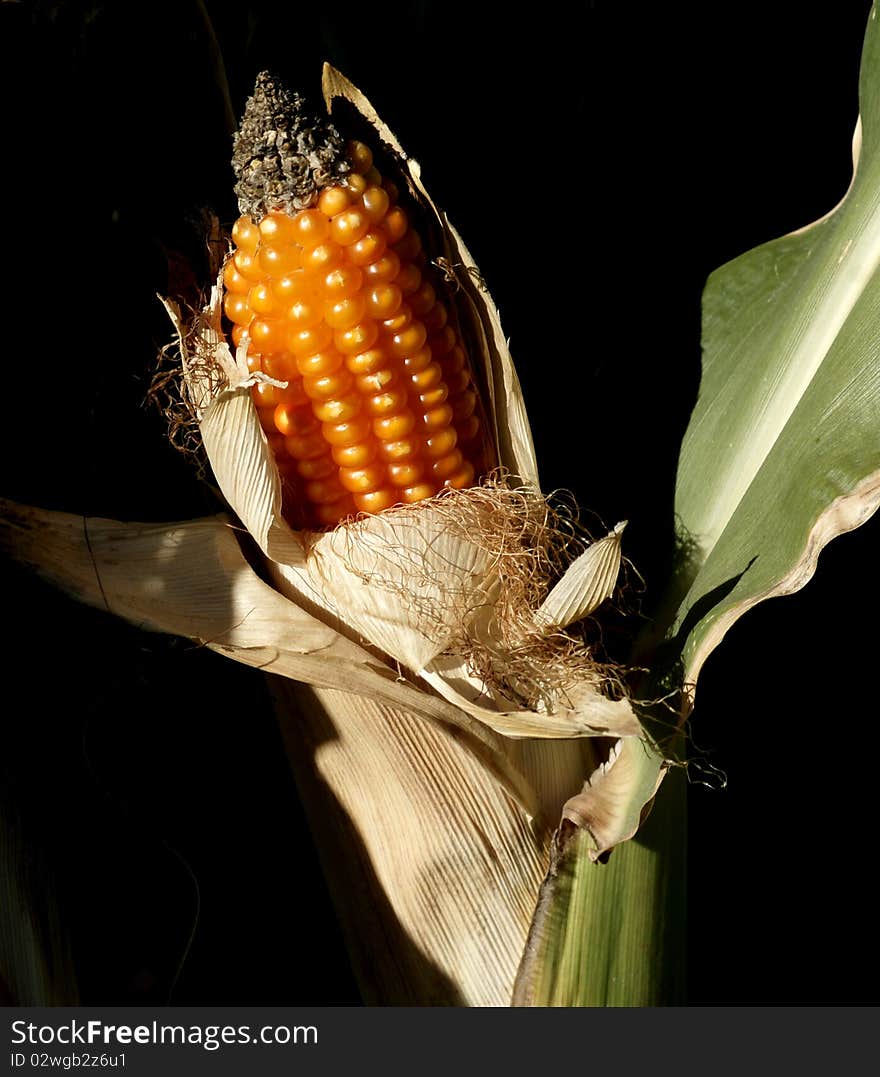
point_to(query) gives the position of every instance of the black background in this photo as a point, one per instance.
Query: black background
(600, 159)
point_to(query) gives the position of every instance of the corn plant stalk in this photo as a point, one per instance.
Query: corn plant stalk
(612, 934)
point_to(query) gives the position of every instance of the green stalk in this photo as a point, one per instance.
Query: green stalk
(612, 934)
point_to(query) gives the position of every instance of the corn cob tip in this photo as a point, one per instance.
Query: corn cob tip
(283, 153)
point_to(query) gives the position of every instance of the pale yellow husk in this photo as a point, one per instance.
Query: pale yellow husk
(442, 867)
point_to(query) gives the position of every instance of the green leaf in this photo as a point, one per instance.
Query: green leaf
(782, 453)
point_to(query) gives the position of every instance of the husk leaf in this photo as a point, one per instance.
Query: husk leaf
(587, 582)
(191, 579)
(435, 870)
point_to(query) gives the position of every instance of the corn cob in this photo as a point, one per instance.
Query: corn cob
(329, 287)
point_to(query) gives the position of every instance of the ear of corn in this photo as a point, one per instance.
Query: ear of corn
(368, 399)
(374, 608)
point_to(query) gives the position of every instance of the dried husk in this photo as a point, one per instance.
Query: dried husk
(587, 582)
(434, 871)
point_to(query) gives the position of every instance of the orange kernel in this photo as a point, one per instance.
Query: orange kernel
(432, 397)
(397, 451)
(334, 200)
(384, 300)
(319, 363)
(418, 361)
(443, 342)
(305, 313)
(410, 246)
(395, 224)
(463, 408)
(305, 446)
(236, 308)
(394, 427)
(356, 184)
(334, 511)
(290, 287)
(423, 299)
(409, 278)
(358, 455)
(376, 500)
(376, 382)
(356, 339)
(406, 473)
(276, 260)
(337, 410)
(429, 377)
(368, 249)
(435, 419)
(328, 386)
(368, 361)
(409, 340)
(315, 338)
(345, 312)
(360, 155)
(322, 257)
(322, 491)
(461, 478)
(312, 227)
(288, 417)
(441, 443)
(420, 491)
(376, 203)
(320, 467)
(265, 395)
(469, 429)
(277, 227)
(233, 280)
(245, 234)
(387, 403)
(349, 226)
(347, 432)
(383, 269)
(362, 480)
(261, 299)
(342, 281)
(268, 334)
(447, 465)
